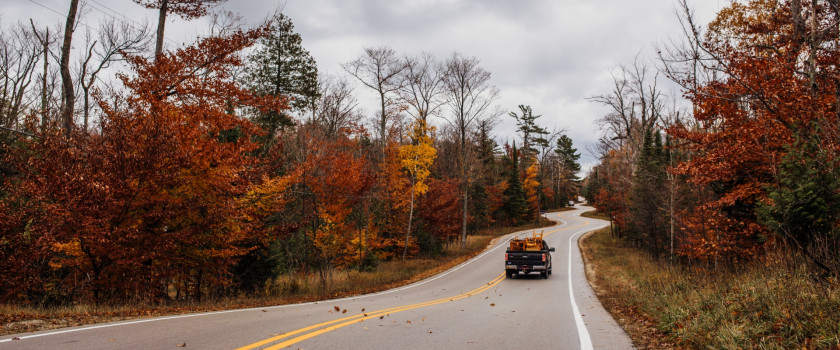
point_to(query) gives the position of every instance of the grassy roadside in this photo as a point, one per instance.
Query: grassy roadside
(17, 319)
(769, 305)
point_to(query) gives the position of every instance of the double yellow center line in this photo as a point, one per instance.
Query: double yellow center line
(346, 321)
(324, 327)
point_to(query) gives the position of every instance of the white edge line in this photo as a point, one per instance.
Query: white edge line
(583, 333)
(164, 318)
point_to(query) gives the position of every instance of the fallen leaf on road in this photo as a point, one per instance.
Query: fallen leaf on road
(15, 338)
(265, 311)
(337, 308)
(363, 309)
(184, 345)
(492, 304)
(365, 315)
(409, 321)
(344, 311)
(381, 317)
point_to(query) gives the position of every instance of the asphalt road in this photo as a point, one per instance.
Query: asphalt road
(471, 306)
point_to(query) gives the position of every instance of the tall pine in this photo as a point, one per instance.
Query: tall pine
(282, 67)
(515, 205)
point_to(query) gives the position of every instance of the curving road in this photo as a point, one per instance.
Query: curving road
(471, 306)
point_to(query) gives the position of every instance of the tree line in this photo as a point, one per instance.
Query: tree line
(750, 166)
(212, 168)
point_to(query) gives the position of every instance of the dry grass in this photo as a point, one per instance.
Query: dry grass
(286, 290)
(595, 215)
(769, 305)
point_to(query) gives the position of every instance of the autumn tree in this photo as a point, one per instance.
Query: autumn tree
(417, 158)
(141, 216)
(470, 97)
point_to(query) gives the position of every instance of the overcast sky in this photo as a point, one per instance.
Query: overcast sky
(549, 54)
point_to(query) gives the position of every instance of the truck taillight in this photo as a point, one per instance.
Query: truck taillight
(543, 257)
(506, 257)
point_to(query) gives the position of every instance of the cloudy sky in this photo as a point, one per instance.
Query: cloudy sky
(549, 54)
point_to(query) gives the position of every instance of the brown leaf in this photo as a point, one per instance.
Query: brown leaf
(492, 304)
(337, 308)
(344, 311)
(184, 345)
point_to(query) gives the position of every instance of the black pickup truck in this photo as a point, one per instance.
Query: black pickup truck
(528, 255)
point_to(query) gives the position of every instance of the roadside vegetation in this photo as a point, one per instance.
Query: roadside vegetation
(770, 303)
(724, 198)
(285, 289)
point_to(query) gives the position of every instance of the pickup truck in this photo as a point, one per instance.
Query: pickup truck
(526, 255)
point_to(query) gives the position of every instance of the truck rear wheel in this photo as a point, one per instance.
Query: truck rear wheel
(544, 274)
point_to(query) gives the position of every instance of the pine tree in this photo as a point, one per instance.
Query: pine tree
(282, 67)
(647, 223)
(570, 167)
(805, 205)
(515, 204)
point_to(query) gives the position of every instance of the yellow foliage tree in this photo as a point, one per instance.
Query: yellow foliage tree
(416, 159)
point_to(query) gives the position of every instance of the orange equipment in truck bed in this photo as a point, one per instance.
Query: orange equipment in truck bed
(532, 243)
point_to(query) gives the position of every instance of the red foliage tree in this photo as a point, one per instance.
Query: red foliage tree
(155, 200)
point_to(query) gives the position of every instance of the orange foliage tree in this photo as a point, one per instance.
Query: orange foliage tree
(746, 120)
(152, 204)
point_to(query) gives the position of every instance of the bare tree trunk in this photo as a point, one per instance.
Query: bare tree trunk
(45, 41)
(66, 79)
(410, 217)
(164, 7)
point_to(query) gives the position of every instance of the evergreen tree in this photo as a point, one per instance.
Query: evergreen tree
(515, 205)
(646, 218)
(805, 205)
(532, 133)
(568, 157)
(282, 67)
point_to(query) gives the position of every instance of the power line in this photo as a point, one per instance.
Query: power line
(136, 25)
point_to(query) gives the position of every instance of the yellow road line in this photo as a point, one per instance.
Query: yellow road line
(361, 317)
(346, 321)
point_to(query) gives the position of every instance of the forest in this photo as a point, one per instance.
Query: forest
(134, 173)
(747, 170)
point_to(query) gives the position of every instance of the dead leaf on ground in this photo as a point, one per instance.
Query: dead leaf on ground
(184, 345)
(344, 311)
(409, 321)
(492, 304)
(337, 308)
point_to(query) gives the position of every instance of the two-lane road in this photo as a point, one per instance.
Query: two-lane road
(470, 306)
